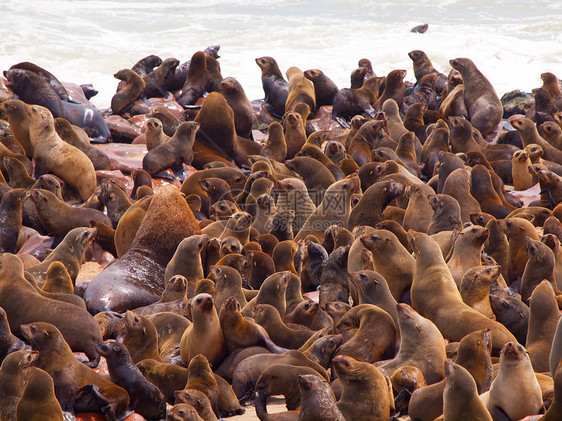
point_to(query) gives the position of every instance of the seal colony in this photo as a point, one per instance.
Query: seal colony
(379, 250)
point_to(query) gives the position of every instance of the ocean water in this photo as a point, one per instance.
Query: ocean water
(86, 41)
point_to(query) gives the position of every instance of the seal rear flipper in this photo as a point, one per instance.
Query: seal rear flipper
(91, 399)
(498, 414)
(341, 121)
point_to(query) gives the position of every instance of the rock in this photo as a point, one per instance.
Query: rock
(516, 102)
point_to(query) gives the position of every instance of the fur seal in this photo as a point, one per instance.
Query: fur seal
(186, 261)
(152, 248)
(241, 106)
(275, 147)
(543, 319)
(33, 89)
(157, 81)
(423, 66)
(70, 375)
(301, 90)
(145, 398)
(70, 252)
(195, 82)
(475, 288)
(515, 377)
(38, 401)
(53, 155)
(133, 87)
(204, 335)
(366, 394)
(480, 99)
(275, 87)
(392, 260)
(324, 87)
(460, 397)
(155, 135)
(317, 400)
(12, 374)
(369, 320)
(174, 153)
(459, 319)
(80, 330)
(11, 214)
(421, 345)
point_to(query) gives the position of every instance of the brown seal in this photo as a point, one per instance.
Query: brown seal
(466, 251)
(228, 283)
(421, 345)
(70, 134)
(482, 103)
(59, 218)
(317, 400)
(38, 399)
(145, 398)
(241, 106)
(12, 375)
(392, 260)
(133, 88)
(240, 332)
(157, 81)
(460, 397)
(522, 178)
(356, 101)
(301, 90)
(515, 377)
(70, 252)
(369, 287)
(70, 375)
(11, 212)
(186, 261)
(446, 214)
(295, 134)
(539, 267)
(459, 319)
(155, 135)
(216, 138)
(275, 147)
(279, 379)
(204, 335)
(58, 279)
(394, 88)
(366, 394)
(543, 320)
(129, 224)
(18, 174)
(198, 400)
(369, 320)
(195, 82)
(174, 153)
(327, 214)
(78, 327)
(183, 412)
(275, 87)
(324, 87)
(267, 316)
(53, 155)
(153, 246)
(140, 337)
(16, 112)
(475, 288)
(517, 230)
(423, 66)
(200, 377)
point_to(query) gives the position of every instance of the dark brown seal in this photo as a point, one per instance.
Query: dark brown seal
(167, 221)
